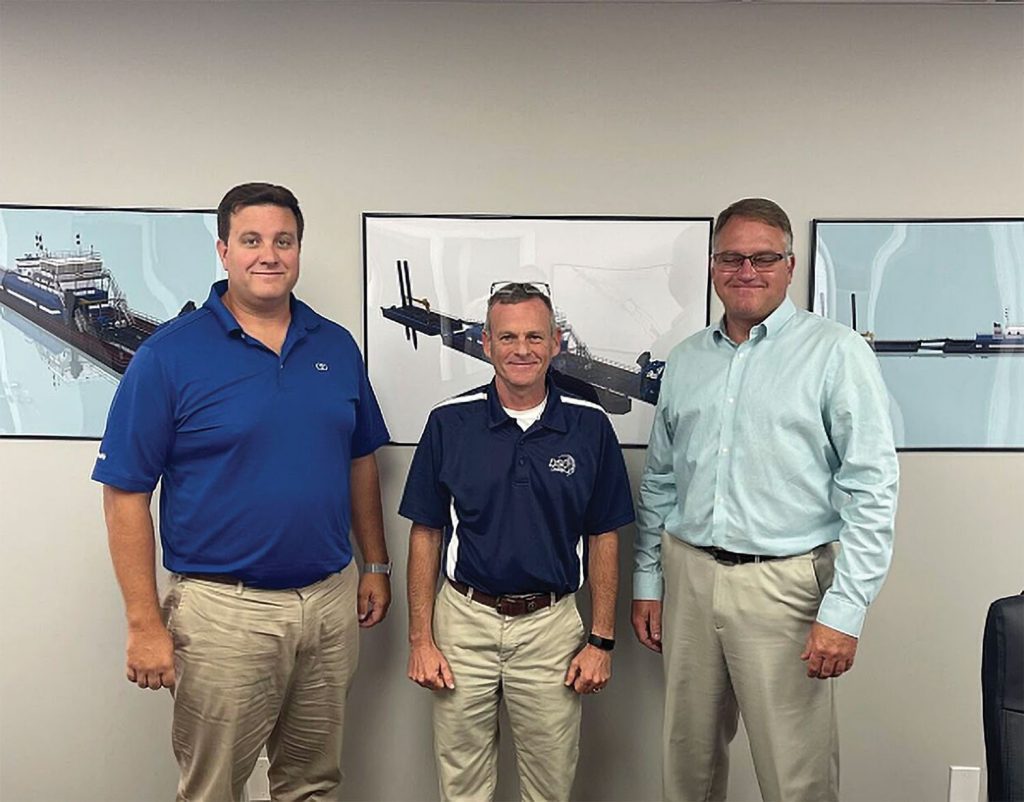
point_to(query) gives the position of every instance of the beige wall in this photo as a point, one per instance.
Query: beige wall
(633, 108)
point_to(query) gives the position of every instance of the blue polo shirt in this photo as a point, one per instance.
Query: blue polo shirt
(253, 450)
(517, 507)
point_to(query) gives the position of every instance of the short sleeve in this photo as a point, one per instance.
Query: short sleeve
(611, 504)
(426, 500)
(371, 432)
(140, 427)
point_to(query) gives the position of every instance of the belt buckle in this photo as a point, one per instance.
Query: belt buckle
(723, 556)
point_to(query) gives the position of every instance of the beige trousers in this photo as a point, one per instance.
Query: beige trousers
(521, 660)
(732, 636)
(259, 667)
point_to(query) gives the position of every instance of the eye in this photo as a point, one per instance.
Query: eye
(285, 242)
(730, 259)
(249, 240)
(766, 259)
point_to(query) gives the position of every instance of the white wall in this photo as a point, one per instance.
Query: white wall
(633, 108)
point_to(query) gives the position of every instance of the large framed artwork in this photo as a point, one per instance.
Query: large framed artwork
(625, 291)
(942, 303)
(80, 290)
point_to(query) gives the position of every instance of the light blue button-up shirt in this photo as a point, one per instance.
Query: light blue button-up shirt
(774, 446)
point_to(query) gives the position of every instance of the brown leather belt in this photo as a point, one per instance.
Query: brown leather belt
(507, 605)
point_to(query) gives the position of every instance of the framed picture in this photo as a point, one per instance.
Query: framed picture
(942, 303)
(625, 291)
(80, 290)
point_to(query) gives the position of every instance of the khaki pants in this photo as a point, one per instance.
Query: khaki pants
(259, 667)
(732, 636)
(523, 660)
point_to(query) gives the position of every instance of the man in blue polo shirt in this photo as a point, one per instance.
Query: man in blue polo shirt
(256, 417)
(520, 487)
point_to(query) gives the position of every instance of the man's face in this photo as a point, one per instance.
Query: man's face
(520, 344)
(750, 296)
(261, 256)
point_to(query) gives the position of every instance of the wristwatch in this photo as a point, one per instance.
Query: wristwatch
(605, 644)
(377, 568)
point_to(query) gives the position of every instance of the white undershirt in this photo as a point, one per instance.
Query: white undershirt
(527, 417)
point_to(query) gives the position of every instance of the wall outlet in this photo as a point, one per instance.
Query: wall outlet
(963, 783)
(257, 787)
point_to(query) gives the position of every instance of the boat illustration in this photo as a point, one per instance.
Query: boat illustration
(612, 385)
(1005, 338)
(73, 296)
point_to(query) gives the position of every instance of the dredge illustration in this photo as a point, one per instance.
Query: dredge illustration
(73, 296)
(1005, 338)
(574, 369)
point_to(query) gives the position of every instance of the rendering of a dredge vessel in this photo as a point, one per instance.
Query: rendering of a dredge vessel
(1005, 338)
(72, 295)
(574, 369)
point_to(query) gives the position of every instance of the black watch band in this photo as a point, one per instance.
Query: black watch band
(604, 644)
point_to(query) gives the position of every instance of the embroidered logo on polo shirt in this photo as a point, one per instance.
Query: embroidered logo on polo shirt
(564, 463)
(321, 366)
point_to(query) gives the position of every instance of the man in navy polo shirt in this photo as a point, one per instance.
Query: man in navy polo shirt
(520, 488)
(256, 417)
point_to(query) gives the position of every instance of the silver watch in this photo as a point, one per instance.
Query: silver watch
(377, 568)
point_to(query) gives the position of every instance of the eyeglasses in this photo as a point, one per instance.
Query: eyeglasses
(762, 262)
(521, 288)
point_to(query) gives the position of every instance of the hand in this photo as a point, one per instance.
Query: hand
(589, 670)
(149, 657)
(828, 652)
(427, 667)
(374, 599)
(647, 623)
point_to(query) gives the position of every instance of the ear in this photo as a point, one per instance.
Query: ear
(222, 250)
(790, 269)
(557, 349)
(487, 344)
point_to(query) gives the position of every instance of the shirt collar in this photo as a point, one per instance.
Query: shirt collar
(553, 416)
(769, 327)
(303, 318)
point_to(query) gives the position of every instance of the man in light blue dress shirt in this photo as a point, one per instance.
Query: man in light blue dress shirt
(765, 522)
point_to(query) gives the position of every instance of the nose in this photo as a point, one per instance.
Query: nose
(268, 254)
(747, 268)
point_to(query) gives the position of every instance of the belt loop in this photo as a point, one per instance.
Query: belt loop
(239, 588)
(469, 594)
(553, 599)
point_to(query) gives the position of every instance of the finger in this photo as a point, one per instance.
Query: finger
(131, 674)
(656, 625)
(573, 672)
(446, 675)
(828, 666)
(168, 678)
(813, 665)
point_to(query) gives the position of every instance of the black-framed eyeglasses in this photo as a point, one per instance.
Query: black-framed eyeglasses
(521, 287)
(762, 262)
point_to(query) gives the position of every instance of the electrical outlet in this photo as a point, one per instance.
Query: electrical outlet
(963, 783)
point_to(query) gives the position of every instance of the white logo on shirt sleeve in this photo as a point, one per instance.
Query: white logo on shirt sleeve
(101, 456)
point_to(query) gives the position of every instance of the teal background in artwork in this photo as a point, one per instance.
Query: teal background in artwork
(933, 280)
(160, 261)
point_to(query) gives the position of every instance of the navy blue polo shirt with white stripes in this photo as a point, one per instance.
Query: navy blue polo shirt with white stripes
(517, 508)
(253, 450)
